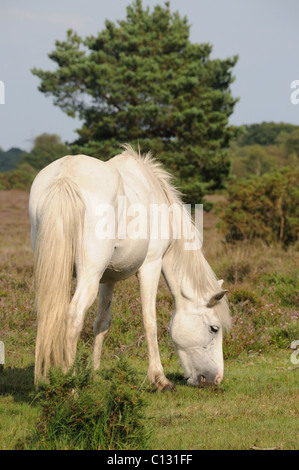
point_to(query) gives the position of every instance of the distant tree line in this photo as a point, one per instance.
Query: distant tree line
(18, 168)
(279, 148)
(266, 133)
(10, 159)
(263, 194)
(262, 203)
(261, 148)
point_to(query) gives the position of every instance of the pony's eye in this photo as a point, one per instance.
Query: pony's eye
(214, 328)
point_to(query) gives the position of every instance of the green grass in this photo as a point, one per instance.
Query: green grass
(256, 405)
(18, 413)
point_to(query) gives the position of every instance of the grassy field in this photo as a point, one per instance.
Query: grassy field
(256, 406)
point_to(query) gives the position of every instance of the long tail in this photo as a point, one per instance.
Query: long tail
(59, 237)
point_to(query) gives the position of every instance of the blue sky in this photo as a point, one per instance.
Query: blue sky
(264, 33)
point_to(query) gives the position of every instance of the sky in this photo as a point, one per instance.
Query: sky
(263, 33)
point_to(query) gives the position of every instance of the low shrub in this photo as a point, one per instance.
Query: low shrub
(265, 208)
(242, 295)
(236, 271)
(81, 411)
(20, 178)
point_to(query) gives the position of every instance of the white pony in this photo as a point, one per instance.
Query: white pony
(72, 224)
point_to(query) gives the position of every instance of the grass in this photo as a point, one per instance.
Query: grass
(256, 405)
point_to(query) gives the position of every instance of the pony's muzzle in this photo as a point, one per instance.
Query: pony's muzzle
(205, 380)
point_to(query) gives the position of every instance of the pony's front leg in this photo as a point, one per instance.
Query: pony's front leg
(102, 321)
(148, 276)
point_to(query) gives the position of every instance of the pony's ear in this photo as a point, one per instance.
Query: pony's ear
(220, 282)
(215, 298)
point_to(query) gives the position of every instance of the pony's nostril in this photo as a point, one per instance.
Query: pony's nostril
(202, 379)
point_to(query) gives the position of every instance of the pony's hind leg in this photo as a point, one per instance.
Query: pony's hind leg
(91, 263)
(102, 321)
(85, 295)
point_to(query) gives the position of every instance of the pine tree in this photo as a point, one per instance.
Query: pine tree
(143, 82)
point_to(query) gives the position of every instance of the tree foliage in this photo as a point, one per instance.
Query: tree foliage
(142, 81)
(46, 149)
(265, 133)
(19, 178)
(21, 167)
(10, 159)
(262, 148)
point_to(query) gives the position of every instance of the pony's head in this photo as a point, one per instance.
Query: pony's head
(197, 335)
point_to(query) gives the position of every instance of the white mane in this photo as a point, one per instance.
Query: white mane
(189, 263)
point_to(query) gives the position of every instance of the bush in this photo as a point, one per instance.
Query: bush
(80, 412)
(264, 207)
(20, 178)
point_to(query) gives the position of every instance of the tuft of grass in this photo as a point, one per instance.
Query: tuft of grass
(83, 411)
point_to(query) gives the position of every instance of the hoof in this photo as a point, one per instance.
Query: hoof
(162, 383)
(169, 386)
